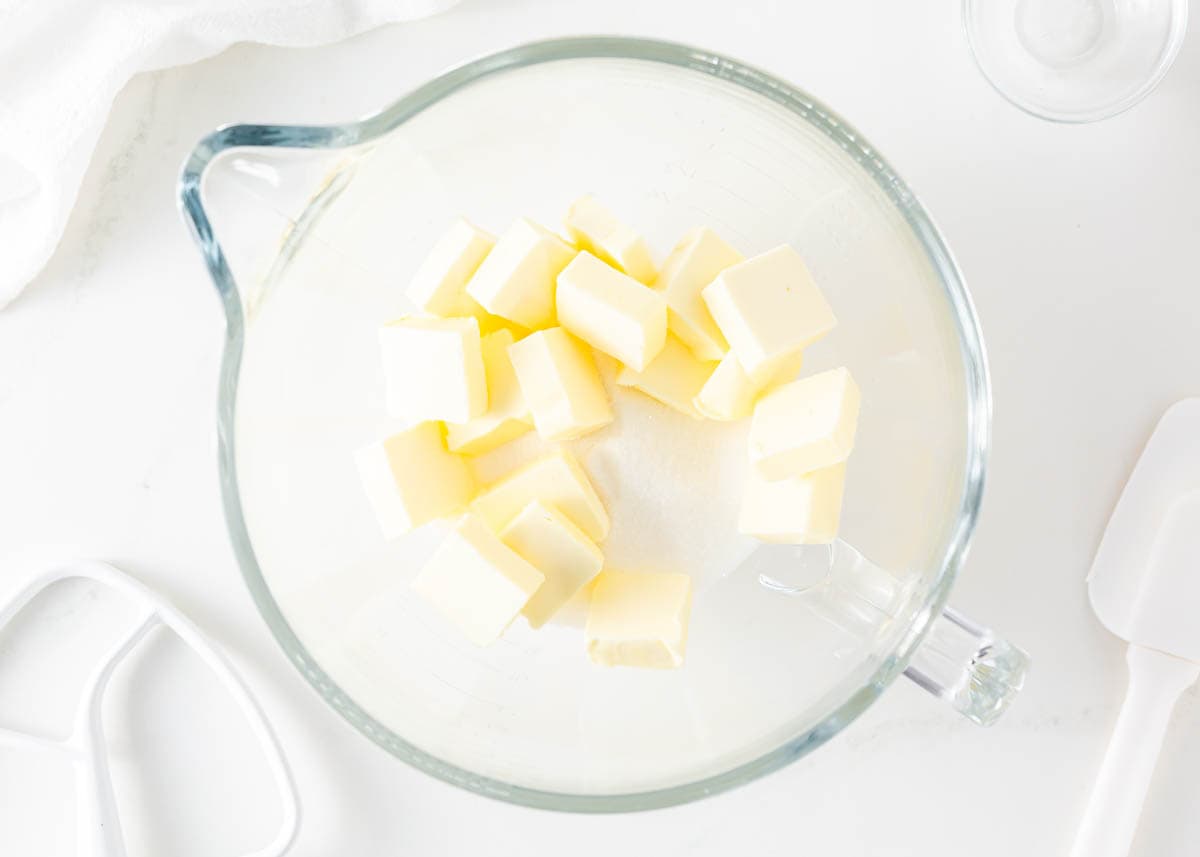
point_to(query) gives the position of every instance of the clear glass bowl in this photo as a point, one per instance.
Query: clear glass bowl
(310, 233)
(1075, 60)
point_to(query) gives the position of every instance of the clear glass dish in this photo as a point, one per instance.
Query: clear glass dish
(309, 234)
(1075, 60)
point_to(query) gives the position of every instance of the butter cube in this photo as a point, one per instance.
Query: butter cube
(595, 229)
(507, 416)
(439, 286)
(561, 384)
(477, 582)
(516, 280)
(562, 552)
(433, 369)
(638, 620)
(797, 510)
(694, 263)
(805, 425)
(768, 308)
(411, 479)
(729, 393)
(555, 480)
(611, 311)
(675, 377)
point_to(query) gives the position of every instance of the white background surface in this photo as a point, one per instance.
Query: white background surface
(1079, 244)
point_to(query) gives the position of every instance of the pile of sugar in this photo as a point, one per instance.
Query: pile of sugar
(671, 484)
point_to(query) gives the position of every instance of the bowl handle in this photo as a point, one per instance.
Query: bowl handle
(969, 666)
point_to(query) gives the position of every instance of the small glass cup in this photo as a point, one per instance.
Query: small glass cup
(1074, 60)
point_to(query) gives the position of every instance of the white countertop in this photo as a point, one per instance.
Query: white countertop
(1078, 244)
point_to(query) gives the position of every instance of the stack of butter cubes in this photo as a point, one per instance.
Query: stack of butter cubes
(502, 346)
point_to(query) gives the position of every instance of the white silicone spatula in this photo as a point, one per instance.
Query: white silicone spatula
(1145, 587)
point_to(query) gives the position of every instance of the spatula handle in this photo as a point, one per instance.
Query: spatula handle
(1110, 821)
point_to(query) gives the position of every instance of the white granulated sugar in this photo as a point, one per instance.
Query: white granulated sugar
(672, 485)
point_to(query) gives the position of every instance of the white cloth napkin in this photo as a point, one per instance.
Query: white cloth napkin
(63, 61)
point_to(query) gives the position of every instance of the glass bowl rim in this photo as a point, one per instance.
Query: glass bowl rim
(978, 415)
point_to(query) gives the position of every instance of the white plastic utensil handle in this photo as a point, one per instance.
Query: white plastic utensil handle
(98, 826)
(98, 832)
(1110, 821)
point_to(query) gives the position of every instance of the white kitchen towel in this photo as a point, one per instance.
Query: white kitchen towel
(63, 61)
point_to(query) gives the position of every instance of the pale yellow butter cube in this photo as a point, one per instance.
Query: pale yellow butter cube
(729, 393)
(433, 369)
(507, 416)
(516, 280)
(768, 308)
(439, 285)
(477, 582)
(611, 311)
(694, 263)
(410, 479)
(805, 425)
(596, 229)
(555, 480)
(556, 547)
(797, 510)
(675, 377)
(638, 620)
(560, 384)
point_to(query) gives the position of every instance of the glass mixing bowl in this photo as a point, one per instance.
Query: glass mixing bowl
(310, 233)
